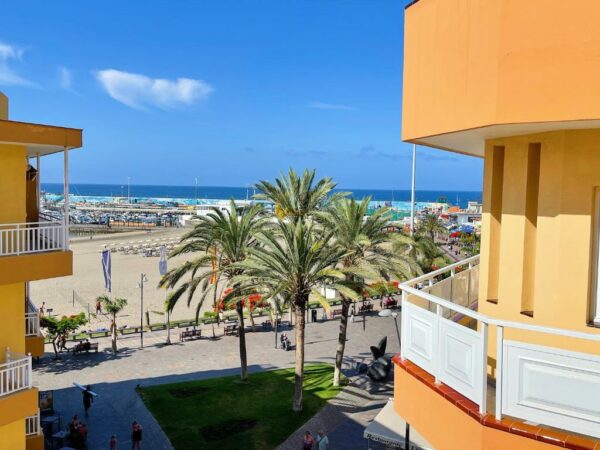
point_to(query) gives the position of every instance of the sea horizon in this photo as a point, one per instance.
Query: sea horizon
(170, 192)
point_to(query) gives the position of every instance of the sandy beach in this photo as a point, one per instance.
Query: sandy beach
(73, 294)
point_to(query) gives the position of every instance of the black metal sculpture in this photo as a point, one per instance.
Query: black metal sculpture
(380, 367)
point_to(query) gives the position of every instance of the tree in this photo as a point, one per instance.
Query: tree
(113, 307)
(295, 258)
(298, 197)
(364, 246)
(222, 239)
(420, 247)
(59, 329)
(430, 225)
(293, 261)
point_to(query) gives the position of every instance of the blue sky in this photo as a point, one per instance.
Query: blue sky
(229, 91)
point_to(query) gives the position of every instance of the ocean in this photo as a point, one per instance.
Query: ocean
(189, 194)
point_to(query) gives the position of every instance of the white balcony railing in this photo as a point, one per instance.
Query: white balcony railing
(32, 320)
(32, 324)
(34, 237)
(533, 383)
(15, 373)
(33, 426)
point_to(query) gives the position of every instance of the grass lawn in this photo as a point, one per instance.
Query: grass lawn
(221, 413)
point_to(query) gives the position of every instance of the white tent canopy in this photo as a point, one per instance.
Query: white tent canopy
(389, 429)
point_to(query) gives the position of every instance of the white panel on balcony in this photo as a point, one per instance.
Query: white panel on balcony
(419, 336)
(474, 285)
(461, 356)
(552, 387)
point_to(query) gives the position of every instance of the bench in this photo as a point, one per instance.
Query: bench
(231, 330)
(366, 308)
(188, 334)
(336, 313)
(80, 348)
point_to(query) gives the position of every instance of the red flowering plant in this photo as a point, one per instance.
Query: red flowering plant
(251, 302)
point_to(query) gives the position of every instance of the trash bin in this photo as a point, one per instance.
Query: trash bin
(313, 315)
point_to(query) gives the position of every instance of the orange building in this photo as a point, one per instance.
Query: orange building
(33, 246)
(505, 353)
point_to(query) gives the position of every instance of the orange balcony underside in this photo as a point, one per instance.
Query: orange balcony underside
(470, 65)
(35, 266)
(34, 345)
(17, 406)
(35, 442)
(452, 422)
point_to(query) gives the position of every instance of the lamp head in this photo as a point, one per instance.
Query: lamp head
(385, 313)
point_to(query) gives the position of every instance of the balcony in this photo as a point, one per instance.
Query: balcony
(15, 373)
(37, 237)
(33, 433)
(34, 339)
(535, 391)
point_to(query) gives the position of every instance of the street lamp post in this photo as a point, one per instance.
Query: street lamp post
(394, 314)
(141, 286)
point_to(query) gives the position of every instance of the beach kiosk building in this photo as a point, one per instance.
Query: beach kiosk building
(32, 247)
(504, 353)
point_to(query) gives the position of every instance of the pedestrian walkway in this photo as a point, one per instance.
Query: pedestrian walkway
(115, 377)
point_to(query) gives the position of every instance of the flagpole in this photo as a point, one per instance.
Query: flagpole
(412, 190)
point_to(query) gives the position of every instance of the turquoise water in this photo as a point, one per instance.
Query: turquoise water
(191, 195)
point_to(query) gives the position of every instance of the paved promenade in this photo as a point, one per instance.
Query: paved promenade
(115, 377)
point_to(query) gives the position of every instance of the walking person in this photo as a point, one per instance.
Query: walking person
(322, 441)
(98, 307)
(88, 399)
(136, 436)
(113, 442)
(307, 441)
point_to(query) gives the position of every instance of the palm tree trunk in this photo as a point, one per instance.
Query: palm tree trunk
(251, 320)
(242, 341)
(341, 346)
(114, 334)
(168, 328)
(299, 372)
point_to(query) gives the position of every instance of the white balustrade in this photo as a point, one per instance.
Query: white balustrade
(541, 384)
(32, 324)
(33, 426)
(33, 237)
(15, 373)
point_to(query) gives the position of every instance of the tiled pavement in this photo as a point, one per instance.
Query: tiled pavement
(114, 378)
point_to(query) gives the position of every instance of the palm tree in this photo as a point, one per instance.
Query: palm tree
(113, 307)
(420, 247)
(292, 261)
(366, 254)
(222, 239)
(430, 224)
(298, 197)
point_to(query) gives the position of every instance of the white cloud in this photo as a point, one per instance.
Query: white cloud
(140, 91)
(65, 78)
(322, 105)
(8, 76)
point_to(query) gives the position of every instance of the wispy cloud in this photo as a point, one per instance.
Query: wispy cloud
(323, 105)
(140, 91)
(65, 78)
(10, 54)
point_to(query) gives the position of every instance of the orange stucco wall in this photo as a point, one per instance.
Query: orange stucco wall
(437, 419)
(472, 63)
(560, 262)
